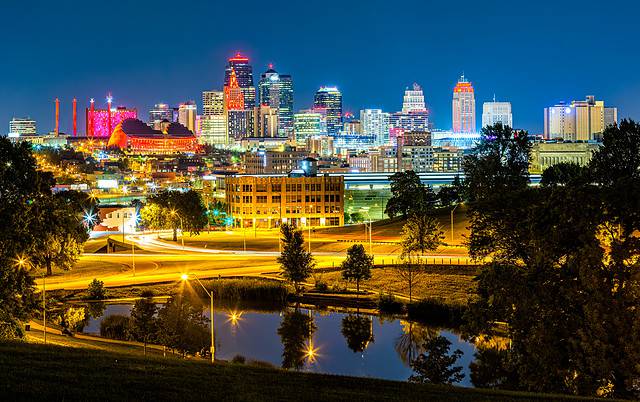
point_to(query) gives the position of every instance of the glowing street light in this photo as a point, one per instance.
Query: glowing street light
(185, 277)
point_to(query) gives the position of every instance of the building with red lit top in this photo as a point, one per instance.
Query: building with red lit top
(464, 107)
(136, 137)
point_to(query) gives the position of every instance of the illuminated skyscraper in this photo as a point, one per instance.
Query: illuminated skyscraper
(375, 122)
(581, 121)
(214, 119)
(464, 107)
(244, 75)
(308, 123)
(276, 91)
(329, 99)
(496, 112)
(413, 100)
(160, 112)
(187, 115)
(212, 103)
(239, 98)
(22, 126)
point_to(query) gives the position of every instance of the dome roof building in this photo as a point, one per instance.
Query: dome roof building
(135, 136)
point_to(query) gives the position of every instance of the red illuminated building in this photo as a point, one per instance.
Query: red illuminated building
(135, 136)
(100, 122)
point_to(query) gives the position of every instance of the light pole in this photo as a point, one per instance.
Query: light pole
(366, 211)
(174, 213)
(185, 277)
(134, 220)
(22, 262)
(454, 208)
(309, 225)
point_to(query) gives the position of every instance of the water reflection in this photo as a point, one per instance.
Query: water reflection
(411, 342)
(357, 331)
(296, 332)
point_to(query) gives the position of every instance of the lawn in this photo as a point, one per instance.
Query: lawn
(54, 373)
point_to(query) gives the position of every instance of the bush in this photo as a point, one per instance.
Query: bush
(238, 359)
(436, 312)
(248, 290)
(116, 327)
(388, 304)
(96, 290)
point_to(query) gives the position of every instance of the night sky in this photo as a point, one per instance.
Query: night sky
(532, 53)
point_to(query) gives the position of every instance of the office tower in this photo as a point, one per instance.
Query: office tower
(413, 100)
(214, 120)
(496, 112)
(308, 123)
(22, 126)
(158, 114)
(375, 122)
(580, 121)
(464, 107)
(329, 99)
(276, 90)
(101, 122)
(239, 64)
(187, 113)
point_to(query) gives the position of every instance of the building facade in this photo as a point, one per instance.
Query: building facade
(464, 107)
(413, 100)
(187, 113)
(308, 123)
(22, 127)
(276, 91)
(329, 99)
(214, 119)
(580, 121)
(375, 122)
(268, 202)
(272, 162)
(546, 154)
(496, 112)
(160, 112)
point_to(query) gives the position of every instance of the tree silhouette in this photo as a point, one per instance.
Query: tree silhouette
(295, 262)
(295, 330)
(357, 332)
(435, 365)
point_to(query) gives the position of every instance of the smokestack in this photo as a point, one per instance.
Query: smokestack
(75, 117)
(109, 100)
(57, 131)
(90, 120)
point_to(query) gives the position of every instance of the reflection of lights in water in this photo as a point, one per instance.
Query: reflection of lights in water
(234, 317)
(310, 352)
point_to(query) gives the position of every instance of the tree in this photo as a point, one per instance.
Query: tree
(408, 194)
(173, 210)
(295, 262)
(143, 319)
(182, 326)
(116, 327)
(296, 329)
(357, 332)
(357, 266)
(564, 173)
(421, 233)
(356, 217)
(435, 365)
(95, 290)
(409, 271)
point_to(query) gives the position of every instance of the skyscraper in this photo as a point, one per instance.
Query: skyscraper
(329, 99)
(239, 98)
(214, 119)
(581, 121)
(160, 112)
(276, 91)
(496, 112)
(244, 75)
(187, 112)
(413, 100)
(308, 123)
(376, 123)
(464, 107)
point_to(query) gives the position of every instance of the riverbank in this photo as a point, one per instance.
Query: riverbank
(52, 373)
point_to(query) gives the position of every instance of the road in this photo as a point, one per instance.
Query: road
(165, 261)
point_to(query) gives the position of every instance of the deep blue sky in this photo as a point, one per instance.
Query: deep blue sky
(531, 53)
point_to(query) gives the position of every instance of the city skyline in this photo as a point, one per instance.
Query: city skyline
(529, 79)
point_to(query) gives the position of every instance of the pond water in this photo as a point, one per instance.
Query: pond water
(340, 344)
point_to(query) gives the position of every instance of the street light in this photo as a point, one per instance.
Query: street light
(309, 224)
(22, 261)
(185, 277)
(454, 208)
(366, 211)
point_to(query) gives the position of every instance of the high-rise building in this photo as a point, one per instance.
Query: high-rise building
(214, 119)
(413, 100)
(239, 64)
(239, 98)
(160, 113)
(329, 99)
(496, 112)
(22, 126)
(267, 121)
(276, 91)
(308, 123)
(580, 121)
(187, 113)
(464, 107)
(375, 122)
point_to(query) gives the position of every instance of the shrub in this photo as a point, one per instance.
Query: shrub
(387, 303)
(248, 290)
(96, 290)
(435, 311)
(116, 327)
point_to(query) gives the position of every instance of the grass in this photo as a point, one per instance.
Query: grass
(54, 373)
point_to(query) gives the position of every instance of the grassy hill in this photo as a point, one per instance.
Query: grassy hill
(54, 373)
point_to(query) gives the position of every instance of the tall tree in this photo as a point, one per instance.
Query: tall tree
(182, 326)
(174, 210)
(408, 195)
(357, 266)
(143, 318)
(295, 331)
(436, 365)
(420, 234)
(295, 262)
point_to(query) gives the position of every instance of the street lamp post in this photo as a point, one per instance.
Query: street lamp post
(454, 208)
(174, 213)
(185, 277)
(370, 229)
(309, 225)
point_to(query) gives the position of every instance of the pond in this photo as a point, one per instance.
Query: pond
(336, 346)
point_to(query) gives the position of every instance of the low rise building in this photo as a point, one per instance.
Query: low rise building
(297, 199)
(546, 154)
(272, 162)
